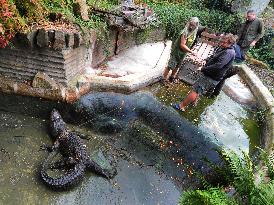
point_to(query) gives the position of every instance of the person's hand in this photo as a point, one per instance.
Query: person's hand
(194, 52)
(253, 43)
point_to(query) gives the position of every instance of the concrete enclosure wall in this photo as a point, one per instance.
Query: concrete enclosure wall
(63, 56)
(62, 66)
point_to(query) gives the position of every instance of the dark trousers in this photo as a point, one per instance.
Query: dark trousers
(230, 72)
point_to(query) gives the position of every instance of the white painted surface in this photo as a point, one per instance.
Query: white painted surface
(133, 68)
(236, 89)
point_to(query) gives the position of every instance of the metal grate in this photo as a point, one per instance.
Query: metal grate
(205, 48)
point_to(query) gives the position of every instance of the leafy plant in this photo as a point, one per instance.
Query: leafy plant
(212, 196)
(10, 22)
(263, 50)
(241, 173)
(31, 10)
(103, 4)
(216, 20)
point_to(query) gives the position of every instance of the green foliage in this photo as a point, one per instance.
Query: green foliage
(10, 22)
(32, 11)
(240, 172)
(103, 4)
(65, 7)
(243, 178)
(212, 196)
(268, 159)
(174, 17)
(263, 50)
(264, 195)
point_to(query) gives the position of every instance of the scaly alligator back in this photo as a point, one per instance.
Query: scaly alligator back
(73, 177)
(74, 156)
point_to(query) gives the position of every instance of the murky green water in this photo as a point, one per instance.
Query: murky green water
(220, 118)
(137, 181)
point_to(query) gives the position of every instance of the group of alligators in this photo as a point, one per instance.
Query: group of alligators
(75, 159)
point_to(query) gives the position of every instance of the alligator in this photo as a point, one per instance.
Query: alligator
(74, 159)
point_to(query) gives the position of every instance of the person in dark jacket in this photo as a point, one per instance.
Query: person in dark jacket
(250, 32)
(212, 72)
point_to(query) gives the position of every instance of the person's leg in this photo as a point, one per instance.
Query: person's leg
(172, 64)
(173, 77)
(231, 71)
(165, 73)
(218, 88)
(192, 97)
(173, 73)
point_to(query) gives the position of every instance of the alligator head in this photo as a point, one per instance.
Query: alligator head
(57, 124)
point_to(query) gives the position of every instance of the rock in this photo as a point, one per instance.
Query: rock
(42, 80)
(42, 38)
(59, 42)
(188, 141)
(80, 8)
(238, 91)
(107, 125)
(25, 40)
(51, 36)
(77, 40)
(69, 38)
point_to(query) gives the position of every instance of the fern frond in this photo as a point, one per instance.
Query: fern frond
(212, 196)
(268, 160)
(243, 177)
(264, 194)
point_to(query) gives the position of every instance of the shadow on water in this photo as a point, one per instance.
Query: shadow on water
(21, 137)
(149, 171)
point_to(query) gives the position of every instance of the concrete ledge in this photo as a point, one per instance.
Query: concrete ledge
(60, 93)
(135, 81)
(265, 101)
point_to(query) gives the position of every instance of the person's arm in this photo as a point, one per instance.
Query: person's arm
(183, 45)
(240, 31)
(260, 33)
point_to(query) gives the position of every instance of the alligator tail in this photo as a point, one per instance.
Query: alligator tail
(73, 177)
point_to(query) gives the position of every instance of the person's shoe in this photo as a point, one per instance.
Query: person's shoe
(174, 80)
(165, 83)
(177, 107)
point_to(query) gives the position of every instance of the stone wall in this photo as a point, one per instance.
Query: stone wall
(266, 103)
(23, 64)
(60, 54)
(64, 55)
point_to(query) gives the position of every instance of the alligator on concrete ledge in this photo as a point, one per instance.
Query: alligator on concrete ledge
(75, 158)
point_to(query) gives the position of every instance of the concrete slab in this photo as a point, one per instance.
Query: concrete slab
(236, 89)
(132, 69)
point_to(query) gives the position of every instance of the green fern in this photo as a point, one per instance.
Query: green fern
(269, 162)
(239, 172)
(264, 194)
(212, 196)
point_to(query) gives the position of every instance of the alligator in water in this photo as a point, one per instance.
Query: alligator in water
(74, 156)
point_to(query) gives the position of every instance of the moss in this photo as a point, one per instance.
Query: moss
(175, 94)
(253, 130)
(147, 136)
